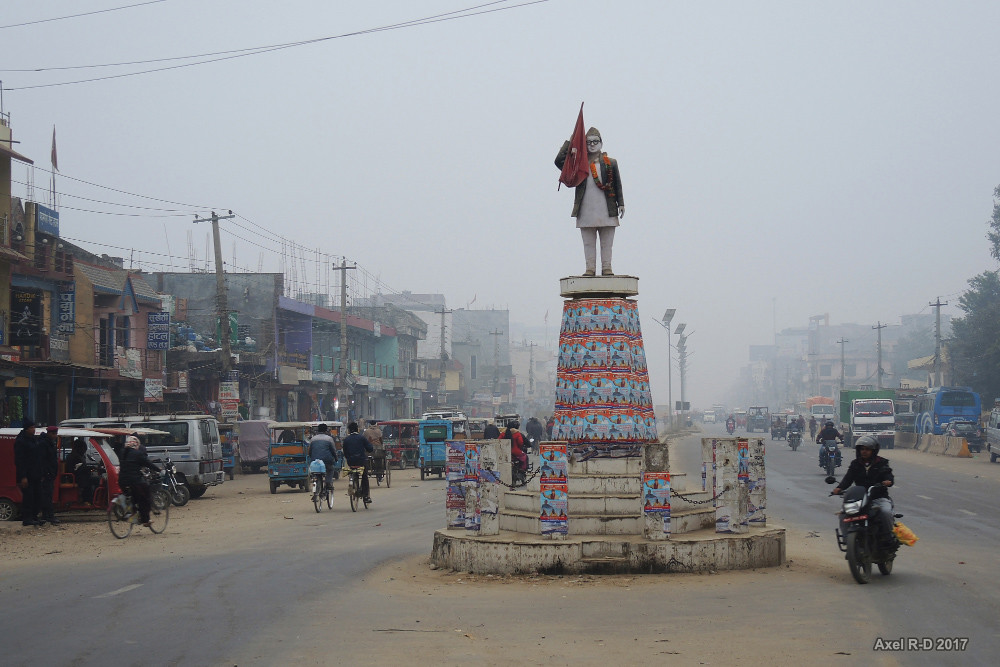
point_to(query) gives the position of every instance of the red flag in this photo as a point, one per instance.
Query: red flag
(577, 167)
(55, 160)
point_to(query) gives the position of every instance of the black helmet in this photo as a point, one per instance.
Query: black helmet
(867, 441)
(829, 423)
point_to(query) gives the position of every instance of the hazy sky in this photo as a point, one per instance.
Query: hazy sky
(778, 159)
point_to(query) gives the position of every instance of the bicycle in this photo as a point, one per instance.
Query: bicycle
(123, 515)
(317, 484)
(354, 474)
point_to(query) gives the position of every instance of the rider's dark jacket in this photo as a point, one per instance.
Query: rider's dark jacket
(356, 449)
(132, 462)
(828, 433)
(872, 475)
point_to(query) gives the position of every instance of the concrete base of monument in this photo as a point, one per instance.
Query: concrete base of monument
(522, 553)
(597, 287)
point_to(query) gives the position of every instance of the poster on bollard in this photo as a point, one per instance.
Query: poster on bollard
(554, 504)
(552, 463)
(471, 484)
(656, 496)
(756, 484)
(455, 471)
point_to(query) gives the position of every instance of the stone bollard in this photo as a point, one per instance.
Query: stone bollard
(731, 493)
(489, 488)
(471, 486)
(554, 491)
(656, 490)
(455, 473)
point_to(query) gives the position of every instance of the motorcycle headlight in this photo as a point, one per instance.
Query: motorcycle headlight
(852, 506)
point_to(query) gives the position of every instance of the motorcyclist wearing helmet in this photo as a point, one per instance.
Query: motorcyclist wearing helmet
(828, 432)
(870, 469)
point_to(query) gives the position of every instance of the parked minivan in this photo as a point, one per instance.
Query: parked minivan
(993, 435)
(191, 441)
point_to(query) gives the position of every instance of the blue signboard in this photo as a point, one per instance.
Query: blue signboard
(157, 331)
(66, 317)
(48, 220)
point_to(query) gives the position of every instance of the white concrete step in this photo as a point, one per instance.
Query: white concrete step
(520, 522)
(604, 504)
(690, 520)
(622, 466)
(606, 525)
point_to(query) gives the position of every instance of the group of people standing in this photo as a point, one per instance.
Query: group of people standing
(36, 464)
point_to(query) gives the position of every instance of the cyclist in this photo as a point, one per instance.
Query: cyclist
(373, 434)
(321, 447)
(356, 451)
(132, 462)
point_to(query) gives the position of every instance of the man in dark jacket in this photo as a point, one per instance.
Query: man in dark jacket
(491, 432)
(829, 432)
(356, 451)
(132, 462)
(321, 447)
(28, 469)
(47, 450)
(870, 469)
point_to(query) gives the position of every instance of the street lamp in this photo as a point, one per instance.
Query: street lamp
(681, 361)
(668, 316)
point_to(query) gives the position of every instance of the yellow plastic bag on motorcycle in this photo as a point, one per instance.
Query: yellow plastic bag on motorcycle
(904, 534)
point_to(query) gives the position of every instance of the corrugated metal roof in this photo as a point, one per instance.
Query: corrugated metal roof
(112, 281)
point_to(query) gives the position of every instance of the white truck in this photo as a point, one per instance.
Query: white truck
(874, 416)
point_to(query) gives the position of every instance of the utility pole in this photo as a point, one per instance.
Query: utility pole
(442, 393)
(342, 392)
(496, 359)
(841, 344)
(682, 363)
(878, 348)
(531, 368)
(937, 341)
(221, 304)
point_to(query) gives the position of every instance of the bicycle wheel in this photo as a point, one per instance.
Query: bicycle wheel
(119, 519)
(317, 498)
(329, 498)
(365, 500)
(159, 496)
(388, 476)
(159, 515)
(352, 492)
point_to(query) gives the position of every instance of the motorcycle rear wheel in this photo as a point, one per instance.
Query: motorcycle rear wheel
(886, 567)
(857, 559)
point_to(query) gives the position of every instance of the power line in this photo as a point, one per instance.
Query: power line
(241, 53)
(73, 16)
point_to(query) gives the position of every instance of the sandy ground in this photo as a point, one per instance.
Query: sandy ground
(404, 608)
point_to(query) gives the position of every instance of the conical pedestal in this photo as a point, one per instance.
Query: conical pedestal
(603, 404)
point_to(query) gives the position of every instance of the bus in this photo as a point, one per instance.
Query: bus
(941, 405)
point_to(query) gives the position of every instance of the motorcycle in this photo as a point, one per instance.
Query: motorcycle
(829, 458)
(794, 440)
(859, 537)
(731, 427)
(177, 492)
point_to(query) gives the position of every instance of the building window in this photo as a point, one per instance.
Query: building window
(41, 256)
(826, 370)
(123, 332)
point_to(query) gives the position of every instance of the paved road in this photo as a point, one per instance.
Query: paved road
(343, 587)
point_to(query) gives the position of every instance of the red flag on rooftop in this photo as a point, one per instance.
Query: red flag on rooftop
(577, 167)
(55, 160)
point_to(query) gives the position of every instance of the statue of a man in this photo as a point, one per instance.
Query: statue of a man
(599, 203)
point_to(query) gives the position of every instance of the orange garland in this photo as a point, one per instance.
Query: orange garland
(608, 188)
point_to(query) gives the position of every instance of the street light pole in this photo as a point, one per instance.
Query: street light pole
(668, 316)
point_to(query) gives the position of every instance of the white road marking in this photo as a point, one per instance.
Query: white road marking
(968, 512)
(924, 497)
(123, 589)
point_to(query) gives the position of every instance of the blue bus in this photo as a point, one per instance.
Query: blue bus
(941, 405)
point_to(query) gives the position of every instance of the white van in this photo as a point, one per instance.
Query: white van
(993, 435)
(193, 444)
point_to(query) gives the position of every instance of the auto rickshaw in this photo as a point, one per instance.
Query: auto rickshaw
(100, 457)
(399, 437)
(288, 452)
(229, 439)
(433, 435)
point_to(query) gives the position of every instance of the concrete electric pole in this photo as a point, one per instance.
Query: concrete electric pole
(937, 340)
(668, 316)
(221, 303)
(878, 348)
(342, 392)
(841, 344)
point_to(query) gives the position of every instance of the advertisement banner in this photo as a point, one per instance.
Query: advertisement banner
(157, 331)
(229, 398)
(66, 317)
(129, 362)
(555, 504)
(153, 392)
(656, 496)
(25, 317)
(552, 462)
(48, 220)
(455, 473)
